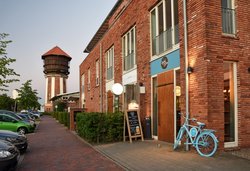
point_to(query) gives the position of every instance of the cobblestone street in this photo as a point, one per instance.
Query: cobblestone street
(54, 147)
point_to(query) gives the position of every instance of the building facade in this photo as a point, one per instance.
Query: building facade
(174, 56)
(56, 70)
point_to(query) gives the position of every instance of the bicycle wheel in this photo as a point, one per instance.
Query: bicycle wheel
(206, 144)
(178, 138)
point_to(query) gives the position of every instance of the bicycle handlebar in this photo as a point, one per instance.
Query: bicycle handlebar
(190, 119)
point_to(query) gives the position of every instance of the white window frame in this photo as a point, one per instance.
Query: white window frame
(82, 89)
(97, 78)
(129, 49)
(110, 63)
(89, 79)
(236, 142)
(175, 43)
(232, 7)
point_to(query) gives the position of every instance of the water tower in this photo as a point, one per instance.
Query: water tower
(56, 70)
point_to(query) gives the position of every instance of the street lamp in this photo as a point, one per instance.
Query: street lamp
(15, 95)
(117, 89)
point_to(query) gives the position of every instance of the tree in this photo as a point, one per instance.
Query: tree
(61, 106)
(6, 102)
(5, 71)
(28, 98)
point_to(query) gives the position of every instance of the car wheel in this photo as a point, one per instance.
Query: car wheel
(22, 130)
(23, 150)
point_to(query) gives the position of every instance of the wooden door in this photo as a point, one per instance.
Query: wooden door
(165, 90)
(110, 101)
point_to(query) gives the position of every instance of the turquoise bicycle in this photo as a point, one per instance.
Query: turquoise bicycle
(202, 139)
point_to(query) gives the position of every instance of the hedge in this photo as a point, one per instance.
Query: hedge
(100, 127)
(62, 117)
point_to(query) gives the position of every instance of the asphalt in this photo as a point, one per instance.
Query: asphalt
(54, 147)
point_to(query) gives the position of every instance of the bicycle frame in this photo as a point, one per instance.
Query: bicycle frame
(191, 135)
(187, 128)
(201, 139)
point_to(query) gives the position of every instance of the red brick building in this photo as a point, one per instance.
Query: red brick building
(171, 56)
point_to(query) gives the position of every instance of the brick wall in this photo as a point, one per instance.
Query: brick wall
(207, 49)
(136, 13)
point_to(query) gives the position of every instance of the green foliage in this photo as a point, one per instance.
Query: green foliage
(5, 71)
(28, 98)
(6, 102)
(62, 117)
(55, 115)
(100, 127)
(61, 106)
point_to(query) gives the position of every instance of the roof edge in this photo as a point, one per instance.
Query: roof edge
(99, 34)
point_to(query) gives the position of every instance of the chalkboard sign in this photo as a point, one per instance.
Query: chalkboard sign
(133, 124)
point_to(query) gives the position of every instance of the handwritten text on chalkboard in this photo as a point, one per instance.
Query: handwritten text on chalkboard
(134, 123)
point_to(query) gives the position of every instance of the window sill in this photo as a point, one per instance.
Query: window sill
(112, 79)
(175, 47)
(134, 68)
(231, 36)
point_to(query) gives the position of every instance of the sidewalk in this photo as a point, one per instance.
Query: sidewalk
(54, 148)
(155, 155)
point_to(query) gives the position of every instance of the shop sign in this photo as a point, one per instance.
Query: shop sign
(164, 62)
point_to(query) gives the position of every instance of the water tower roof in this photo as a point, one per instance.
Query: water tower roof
(55, 51)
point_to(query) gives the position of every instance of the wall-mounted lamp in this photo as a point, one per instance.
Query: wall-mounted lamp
(190, 70)
(249, 69)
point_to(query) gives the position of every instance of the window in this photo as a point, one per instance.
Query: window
(230, 104)
(128, 50)
(228, 17)
(82, 88)
(155, 107)
(131, 96)
(5, 118)
(97, 66)
(89, 79)
(110, 63)
(164, 26)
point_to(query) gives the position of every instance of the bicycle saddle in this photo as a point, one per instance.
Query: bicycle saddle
(201, 124)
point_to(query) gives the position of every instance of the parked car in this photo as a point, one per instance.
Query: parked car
(28, 118)
(18, 140)
(36, 113)
(9, 155)
(13, 114)
(10, 123)
(33, 115)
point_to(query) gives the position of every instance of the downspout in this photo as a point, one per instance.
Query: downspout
(100, 80)
(80, 90)
(186, 62)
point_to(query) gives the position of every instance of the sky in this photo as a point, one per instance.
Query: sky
(35, 27)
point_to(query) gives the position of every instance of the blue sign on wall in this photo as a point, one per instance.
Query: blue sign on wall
(173, 62)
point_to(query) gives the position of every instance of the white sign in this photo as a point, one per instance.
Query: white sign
(15, 94)
(130, 77)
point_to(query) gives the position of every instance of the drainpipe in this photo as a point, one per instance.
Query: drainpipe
(100, 80)
(186, 62)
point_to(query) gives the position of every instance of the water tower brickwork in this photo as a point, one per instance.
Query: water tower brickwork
(56, 70)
